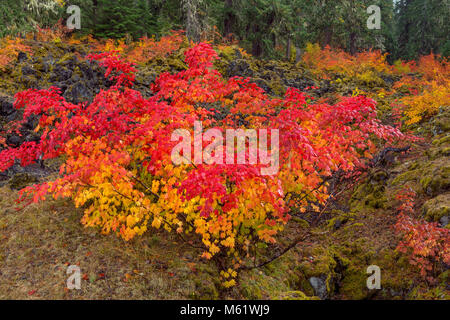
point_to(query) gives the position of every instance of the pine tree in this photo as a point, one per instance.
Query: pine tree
(116, 18)
(422, 27)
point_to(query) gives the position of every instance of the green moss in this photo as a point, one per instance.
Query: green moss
(321, 264)
(296, 295)
(437, 207)
(305, 286)
(442, 123)
(370, 194)
(380, 175)
(176, 64)
(228, 53)
(205, 289)
(433, 184)
(441, 141)
(303, 224)
(353, 285)
(407, 176)
(340, 218)
(251, 290)
(277, 86)
(445, 152)
(65, 58)
(21, 180)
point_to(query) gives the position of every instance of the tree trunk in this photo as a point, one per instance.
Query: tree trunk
(327, 36)
(230, 19)
(298, 54)
(256, 48)
(94, 10)
(256, 43)
(192, 23)
(288, 49)
(353, 43)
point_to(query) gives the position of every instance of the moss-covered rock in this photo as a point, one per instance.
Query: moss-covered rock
(441, 122)
(437, 207)
(21, 180)
(404, 177)
(435, 178)
(317, 272)
(441, 141)
(370, 194)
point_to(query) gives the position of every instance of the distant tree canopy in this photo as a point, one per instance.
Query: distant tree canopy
(422, 27)
(408, 27)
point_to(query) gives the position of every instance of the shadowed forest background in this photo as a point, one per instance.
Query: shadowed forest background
(267, 28)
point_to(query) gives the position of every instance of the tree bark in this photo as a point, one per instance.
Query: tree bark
(288, 49)
(353, 43)
(94, 10)
(230, 19)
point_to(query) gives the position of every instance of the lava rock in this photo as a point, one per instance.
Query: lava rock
(13, 141)
(6, 107)
(320, 287)
(21, 180)
(60, 74)
(22, 57)
(240, 68)
(78, 93)
(27, 70)
(15, 115)
(444, 221)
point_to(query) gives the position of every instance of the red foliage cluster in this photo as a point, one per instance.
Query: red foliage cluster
(424, 242)
(124, 71)
(147, 49)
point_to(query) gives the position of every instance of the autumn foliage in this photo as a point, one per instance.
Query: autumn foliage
(328, 61)
(9, 50)
(118, 167)
(425, 243)
(142, 51)
(423, 85)
(427, 90)
(147, 49)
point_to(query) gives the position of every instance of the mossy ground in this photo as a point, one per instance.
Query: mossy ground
(38, 243)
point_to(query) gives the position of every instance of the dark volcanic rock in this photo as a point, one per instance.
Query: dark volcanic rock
(13, 140)
(27, 70)
(77, 93)
(6, 107)
(60, 74)
(22, 57)
(21, 180)
(240, 68)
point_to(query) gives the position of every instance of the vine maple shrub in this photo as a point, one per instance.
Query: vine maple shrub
(116, 154)
(428, 92)
(424, 242)
(10, 49)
